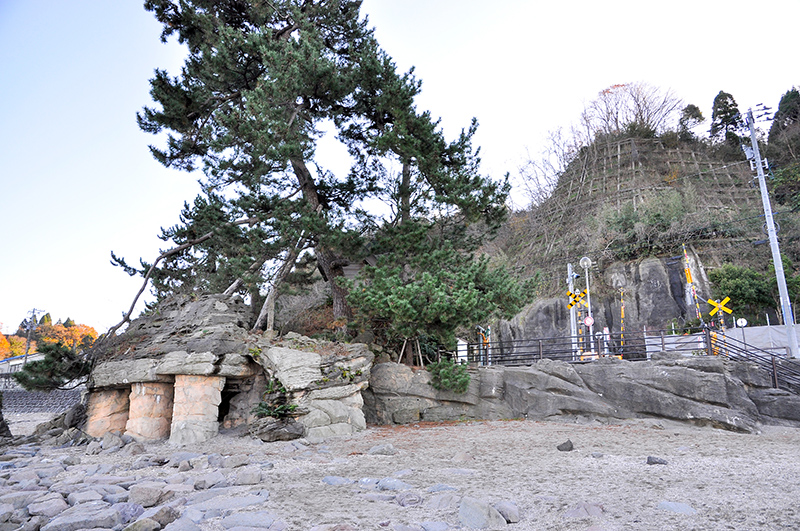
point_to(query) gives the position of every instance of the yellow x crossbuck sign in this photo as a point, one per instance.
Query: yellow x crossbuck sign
(720, 306)
(577, 298)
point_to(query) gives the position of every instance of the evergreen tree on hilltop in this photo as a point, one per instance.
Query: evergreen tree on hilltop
(783, 150)
(784, 134)
(726, 120)
(691, 116)
(260, 83)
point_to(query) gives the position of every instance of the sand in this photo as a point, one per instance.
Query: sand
(732, 480)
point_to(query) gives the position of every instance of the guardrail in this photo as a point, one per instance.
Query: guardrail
(634, 346)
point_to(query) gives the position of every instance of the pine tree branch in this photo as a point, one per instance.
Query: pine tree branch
(127, 317)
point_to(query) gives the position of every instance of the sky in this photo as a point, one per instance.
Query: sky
(77, 180)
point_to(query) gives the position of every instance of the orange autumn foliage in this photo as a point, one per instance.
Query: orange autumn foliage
(5, 348)
(74, 337)
(18, 346)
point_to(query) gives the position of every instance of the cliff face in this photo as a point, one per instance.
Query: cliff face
(654, 292)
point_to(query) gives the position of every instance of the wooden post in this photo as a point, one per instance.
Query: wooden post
(402, 352)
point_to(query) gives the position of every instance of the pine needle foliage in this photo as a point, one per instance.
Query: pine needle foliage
(446, 375)
(60, 368)
(261, 84)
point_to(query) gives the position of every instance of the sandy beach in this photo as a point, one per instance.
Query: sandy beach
(711, 479)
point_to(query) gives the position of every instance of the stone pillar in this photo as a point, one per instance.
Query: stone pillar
(150, 411)
(107, 410)
(196, 408)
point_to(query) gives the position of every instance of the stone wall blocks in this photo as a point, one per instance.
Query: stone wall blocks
(777, 404)
(332, 430)
(107, 410)
(562, 370)
(356, 418)
(315, 418)
(195, 411)
(390, 378)
(335, 410)
(361, 362)
(750, 374)
(696, 393)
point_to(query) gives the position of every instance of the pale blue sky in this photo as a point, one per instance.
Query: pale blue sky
(77, 179)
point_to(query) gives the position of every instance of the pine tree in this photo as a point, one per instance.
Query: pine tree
(260, 81)
(691, 116)
(60, 367)
(726, 120)
(422, 284)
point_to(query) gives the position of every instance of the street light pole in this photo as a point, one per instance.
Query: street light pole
(586, 263)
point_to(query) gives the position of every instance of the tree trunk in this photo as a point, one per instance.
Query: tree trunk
(330, 264)
(405, 193)
(268, 308)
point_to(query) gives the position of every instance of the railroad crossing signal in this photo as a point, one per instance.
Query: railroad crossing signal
(577, 298)
(720, 306)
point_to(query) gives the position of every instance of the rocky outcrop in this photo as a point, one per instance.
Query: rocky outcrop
(193, 366)
(322, 380)
(399, 394)
(701, 390)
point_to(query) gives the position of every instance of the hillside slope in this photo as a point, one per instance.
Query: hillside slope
(622, 202)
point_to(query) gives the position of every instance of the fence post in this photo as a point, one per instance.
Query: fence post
(663, 343)
(540, 349)
(707, 334)
(774, 373)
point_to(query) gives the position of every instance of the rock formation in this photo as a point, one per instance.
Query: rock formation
(193, 366)
(701, 390)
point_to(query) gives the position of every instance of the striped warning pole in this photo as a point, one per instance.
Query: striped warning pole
(690, 283)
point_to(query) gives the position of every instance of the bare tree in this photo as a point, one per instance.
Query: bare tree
(619, 107)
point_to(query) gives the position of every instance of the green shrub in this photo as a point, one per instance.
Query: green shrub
(275, 401)
(449, 376)
(266, 409)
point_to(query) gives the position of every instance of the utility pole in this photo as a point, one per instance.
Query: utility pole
(31, 326)
(786, 308)
(573, 320)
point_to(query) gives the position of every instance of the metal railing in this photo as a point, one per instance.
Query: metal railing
(634, 346)
(784, 371)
